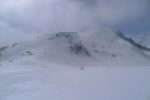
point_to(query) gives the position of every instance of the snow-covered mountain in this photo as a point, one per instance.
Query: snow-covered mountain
(104, 48)
(73, 66)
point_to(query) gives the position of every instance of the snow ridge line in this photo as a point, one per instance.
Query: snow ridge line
(131, 41)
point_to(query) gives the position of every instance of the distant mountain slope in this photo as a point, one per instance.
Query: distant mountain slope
(130, 40)
(81, 49)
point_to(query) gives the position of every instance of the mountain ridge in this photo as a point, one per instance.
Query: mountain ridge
(102, 48)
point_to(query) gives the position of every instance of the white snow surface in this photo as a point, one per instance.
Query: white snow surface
(44, 68)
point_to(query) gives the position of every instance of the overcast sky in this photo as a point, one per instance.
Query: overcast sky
(75, 15)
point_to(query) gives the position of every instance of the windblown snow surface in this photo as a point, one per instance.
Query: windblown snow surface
(73, 66)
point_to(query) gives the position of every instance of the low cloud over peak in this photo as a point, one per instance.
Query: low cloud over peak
(72, 15)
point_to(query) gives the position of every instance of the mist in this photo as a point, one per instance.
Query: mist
(71, 15)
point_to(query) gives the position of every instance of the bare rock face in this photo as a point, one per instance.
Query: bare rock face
(2, 49)
(75, 44)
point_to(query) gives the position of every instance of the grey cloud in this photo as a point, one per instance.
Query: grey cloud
(71, 15)
(90, 3)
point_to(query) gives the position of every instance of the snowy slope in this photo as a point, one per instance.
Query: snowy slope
(81, 49)
(84, 49)
(143, 39)
(73, 66)
(32, 79)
